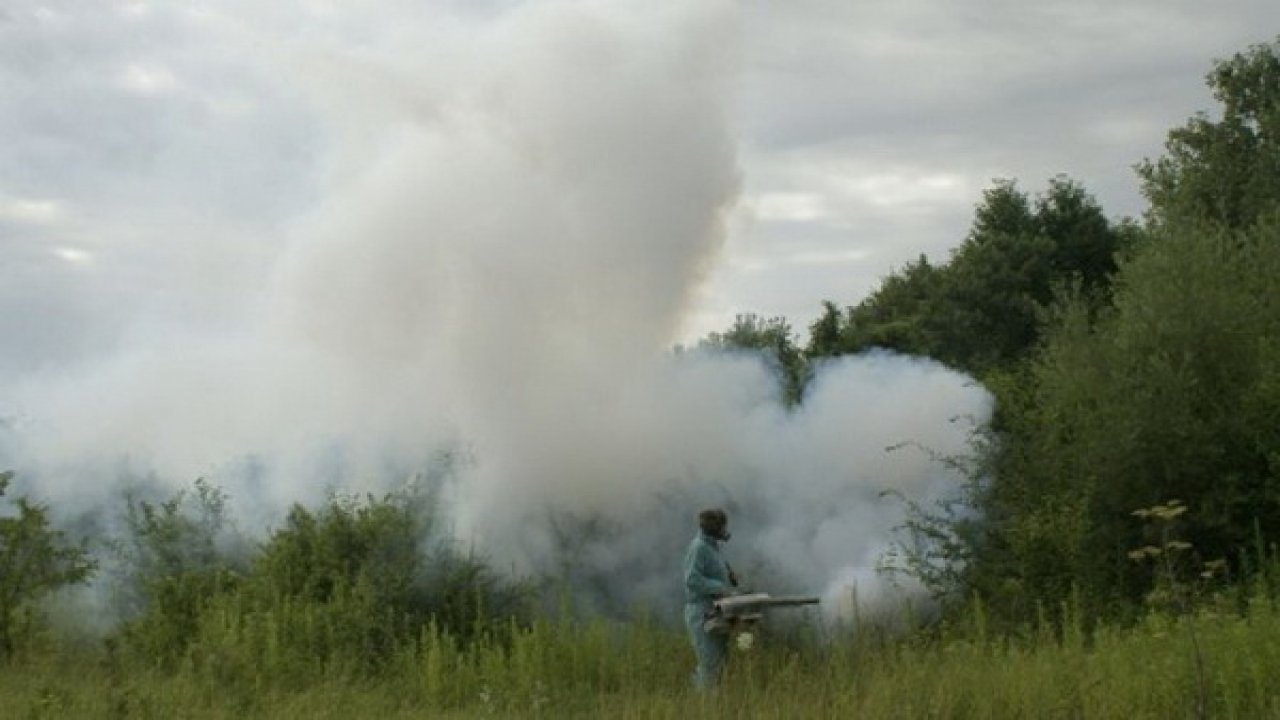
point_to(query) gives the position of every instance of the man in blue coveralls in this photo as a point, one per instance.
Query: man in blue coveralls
(707, 577)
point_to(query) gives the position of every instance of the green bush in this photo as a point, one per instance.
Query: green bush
(35, 560)
(170, 567)
(1171, 394)
(346, 587)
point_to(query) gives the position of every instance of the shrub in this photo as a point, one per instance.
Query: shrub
(35, 560)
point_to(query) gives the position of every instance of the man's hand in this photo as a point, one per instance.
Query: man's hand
(725, 592)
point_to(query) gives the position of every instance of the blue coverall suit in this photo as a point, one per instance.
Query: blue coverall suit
(706, 577)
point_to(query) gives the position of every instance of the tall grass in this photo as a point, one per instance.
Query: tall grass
(339, 613)
(563, 668)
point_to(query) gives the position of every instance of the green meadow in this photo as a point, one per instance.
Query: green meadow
(556, 669)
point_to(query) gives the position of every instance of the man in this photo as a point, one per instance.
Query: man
(707, 577)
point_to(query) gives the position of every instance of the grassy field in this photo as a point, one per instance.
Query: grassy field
(559, 669)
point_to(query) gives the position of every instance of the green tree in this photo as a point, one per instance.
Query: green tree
(825, 333)
(1085, 243)
(170, 567)
(1224, 170)
(899, 315)
(1001, 279)
(35, 560)
(1169, 394)
(987, 312)
(982, 311)
(776, 342)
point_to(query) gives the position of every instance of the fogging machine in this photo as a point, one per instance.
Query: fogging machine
(736, 611)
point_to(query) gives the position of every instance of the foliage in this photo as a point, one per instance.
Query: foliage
(825, 338)
(554, 668)
(982, 311)
(776, 342)
(1130, 364)
(897, 316)
(369, 568)
(1224, 171)
(938, 543)
(1171, 588)
(1171, 392)
(35, 560)
(170, 568)
(349, 584)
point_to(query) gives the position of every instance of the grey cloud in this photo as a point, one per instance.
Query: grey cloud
(252, 104)
(170, 155)
(973, 91)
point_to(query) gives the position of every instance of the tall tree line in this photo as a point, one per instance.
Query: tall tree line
(1133, 362)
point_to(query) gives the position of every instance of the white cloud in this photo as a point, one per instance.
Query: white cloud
(891, 188)
(26, 210)
(136, 8)
(146, 79)
(75, 256)
(791, 206)
(828, 258)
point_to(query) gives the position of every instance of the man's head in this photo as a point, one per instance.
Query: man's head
(714, 523)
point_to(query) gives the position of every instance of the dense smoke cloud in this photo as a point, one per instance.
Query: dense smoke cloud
(511, 230)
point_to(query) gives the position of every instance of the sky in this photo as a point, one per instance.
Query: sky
(870, 129)
(298, 245)
(156, 153)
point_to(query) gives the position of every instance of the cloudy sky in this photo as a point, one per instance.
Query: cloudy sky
(158, 156)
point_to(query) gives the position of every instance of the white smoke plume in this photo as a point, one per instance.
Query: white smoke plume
(512, 225)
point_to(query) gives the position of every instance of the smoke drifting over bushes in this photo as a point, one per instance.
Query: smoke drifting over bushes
(510, 233)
